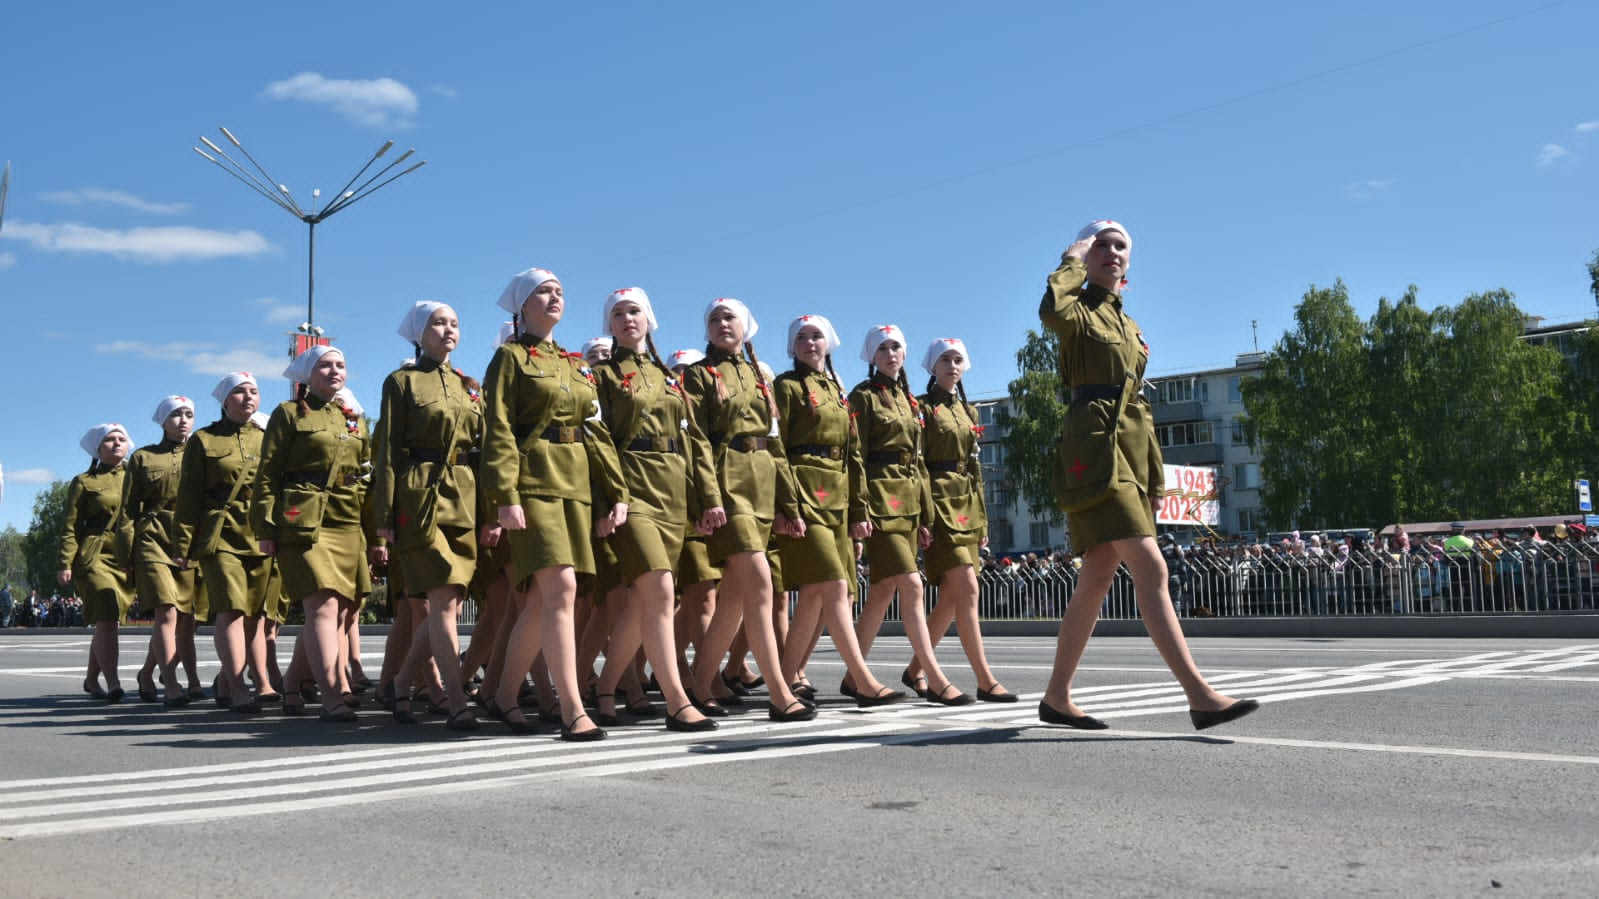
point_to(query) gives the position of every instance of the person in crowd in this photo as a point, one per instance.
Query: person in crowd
(425, 495)
(307, 510)
(96, 545)
(544, 435)
(597, 349)
(898, 507)
(696, 576)
(1109, 475)
(960, 516)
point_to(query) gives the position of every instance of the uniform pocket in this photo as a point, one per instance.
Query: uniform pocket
(888, 498)
(824, 489)
(1085, 469)
(301, 510)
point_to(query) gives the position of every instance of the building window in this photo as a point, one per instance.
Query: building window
(1240, 438)
(995, 495)
(1248, 521)
(1178, 391)
(1038, 534)
(1235, 390)
(1186, 433)
(999, 535)
(1246, 476)
(991, 454)
(985, 414)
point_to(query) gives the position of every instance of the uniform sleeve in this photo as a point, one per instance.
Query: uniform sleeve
(129, 507)
(859, 417)
(926, 478)
(605, 466)
(274, 452)
(386, 451)
(978, 484)
(69, 526)
(1064, 291)
(191, 490)
(697, 385)
(1157, 469)
(502, 463)
(789, 395)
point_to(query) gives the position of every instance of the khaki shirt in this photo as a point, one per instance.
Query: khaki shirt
(888, 421)
(533, 385)
(217, 457)
(426, 412)
(150, 498)
(950, 433)
(815, 415)
(93, 533)
(324, 449)
(642, 401)
(746, 481)
(1107, 440)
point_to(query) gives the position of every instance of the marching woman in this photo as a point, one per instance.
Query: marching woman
(824, 457)
(669, 471)
(307, 514)
(732, 404)
(150, 500)
(215, 491)
(425, 494)
(1108, 473)
(960, 517)
(96, 543)
(898, 505)
(543, 434)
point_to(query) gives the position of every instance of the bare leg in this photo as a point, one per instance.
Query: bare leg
(164, 643)
(750, 579)
(444, 608)
(957, 602)
(269, 633)
(256, 650)
(103, 651)
(188, 626)
(692, 619)
(727, 613)
(557, 588)
(321, 639)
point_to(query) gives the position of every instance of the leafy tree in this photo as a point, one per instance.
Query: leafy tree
(13, 560)
(1035, 427)
(1401, 340)
(42, 546)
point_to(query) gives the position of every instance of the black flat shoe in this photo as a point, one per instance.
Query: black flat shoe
(269, 698)
(114, 696)
(794, 711)
(519, 725)
(736, 684)
(843, 687)
(1049, 715)
(148, 695)
(942, 697)
(296, 709)
(673, 722)
(887, 697)
(642, 708)
(340, 713)
(176, 702)
(989, 696)
(249, 708)
(463, 721)
(389, 699)
(710, 707)
(911, 682)
(581, 736)
(196, 694)
(550, 716)
(1239, 709)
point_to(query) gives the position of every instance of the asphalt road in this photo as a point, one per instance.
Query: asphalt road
(1386, 767)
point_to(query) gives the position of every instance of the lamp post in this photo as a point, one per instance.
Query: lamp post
(279, 196)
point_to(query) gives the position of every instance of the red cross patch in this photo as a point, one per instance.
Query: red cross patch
(1078, 468)
(821, 494)
(403, 519)
(293, 513)
(962, 519)
(895, 502)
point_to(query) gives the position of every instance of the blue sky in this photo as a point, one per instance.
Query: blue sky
(909, 162)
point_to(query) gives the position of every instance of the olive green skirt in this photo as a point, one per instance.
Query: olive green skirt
(825, 554)
(1123, 514)
(890, 553)
(741, 534)
(607, 568)
(105, 592)
(161, 583)
(243, 584)
(557, 534)
(448, 558)
(646, 544)
(694, 564)
(336, 562)
(950, 551)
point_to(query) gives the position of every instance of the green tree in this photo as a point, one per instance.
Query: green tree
(42, 545)
(1033, 429)
(1401, 340)
(14, 560)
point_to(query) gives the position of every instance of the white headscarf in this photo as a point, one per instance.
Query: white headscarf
(416, 320)
(230, 382)
(346, 399)
(876, 337)
(93, 436)
(629, 295)
(170, 405)
(941, 346)
(739, 309)
(1094, 227)
(506, 332)
(522, 287)
(259, 419)
(820, 322)
(593, 342)
(684, 357)
(299, 371)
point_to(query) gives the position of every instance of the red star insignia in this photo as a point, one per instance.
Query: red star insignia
(293, 513)
(1078, 468)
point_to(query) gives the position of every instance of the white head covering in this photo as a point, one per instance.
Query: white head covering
(684, 357)
(942, 345)
(347, 399)
(299, 371)
(739, 309)
(876, 337)
(229, 382)
(1098, 225)
(93, 436)
(170, 405)
(593, 342)
(522, 287)
(416, 320)
(766, 371)
(259, 419)
(829, 333)
(630, 295)
(506, 332)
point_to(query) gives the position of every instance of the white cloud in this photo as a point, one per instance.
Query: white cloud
(169, 244)
(278, 313)
(201, 358)
(95, 195)
(1362, 190)
(1552, 153)
(380, 103)
(7, 260)
(445, 91)
(31, 476)
(1585, 127)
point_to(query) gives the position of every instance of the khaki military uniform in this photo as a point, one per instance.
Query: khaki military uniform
(543, 434)
(895, 487)
(313, 474)
(212, 522)
(97, 542)
(960, 515)
(150, 500)
(1108, 464)
(424, 487)
(749, 460)
(824, 461)
(665, 459)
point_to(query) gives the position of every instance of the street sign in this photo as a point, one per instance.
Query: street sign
(1591, 520)
(1584, 498)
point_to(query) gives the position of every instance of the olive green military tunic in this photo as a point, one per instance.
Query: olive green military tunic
(212, 521)
(895, 488)
(543, 433)
(960, 516)
(1108, 465)
(312, 475)
(150, 501)
(824, 460)
(749, 461)
(424, 487)
(665, 459)
(97, 542)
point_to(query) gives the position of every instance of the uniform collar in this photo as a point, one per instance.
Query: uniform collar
(717, 355)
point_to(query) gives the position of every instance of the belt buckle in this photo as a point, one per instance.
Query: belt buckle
(568, 434)
(661, 444)
(835, 453)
